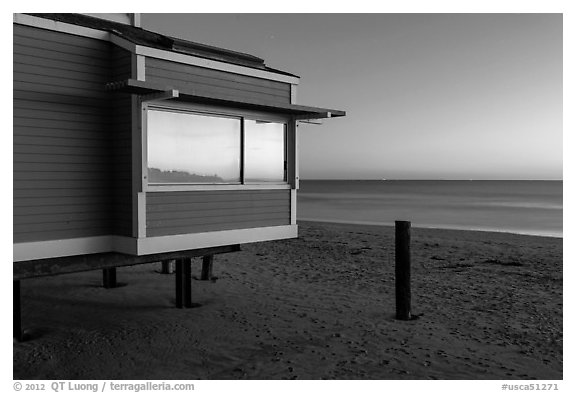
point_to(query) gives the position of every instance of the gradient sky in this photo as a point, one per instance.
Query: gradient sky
(427, 96)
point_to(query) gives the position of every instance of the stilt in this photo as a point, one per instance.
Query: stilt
(167, 267)
(402, 268)
(207, 263)
(109, 277)
(184, 283)
(17, 328)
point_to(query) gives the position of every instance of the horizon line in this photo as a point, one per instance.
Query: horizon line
(400, 179)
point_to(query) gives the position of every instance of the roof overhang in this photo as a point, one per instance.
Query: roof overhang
(150, 90)
(150, 44)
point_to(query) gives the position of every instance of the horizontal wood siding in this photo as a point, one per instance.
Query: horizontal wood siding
(208, 81)
(63, 148)
(173, 213)
(122, 140)
(122, 64)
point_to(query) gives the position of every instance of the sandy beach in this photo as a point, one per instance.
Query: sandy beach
(317, 307)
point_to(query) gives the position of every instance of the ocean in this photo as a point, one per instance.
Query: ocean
(524, 207)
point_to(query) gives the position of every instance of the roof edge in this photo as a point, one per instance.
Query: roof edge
(300, 112)
(148, 38)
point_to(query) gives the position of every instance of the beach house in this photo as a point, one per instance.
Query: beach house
(134, 147)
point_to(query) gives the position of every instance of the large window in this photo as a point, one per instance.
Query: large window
(193, 148)
(190, 148)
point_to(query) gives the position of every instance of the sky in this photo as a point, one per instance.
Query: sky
(427, 96)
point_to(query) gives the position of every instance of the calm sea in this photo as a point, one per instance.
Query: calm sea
(526, 207)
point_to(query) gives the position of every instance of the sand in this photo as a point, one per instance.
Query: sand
(317, 307)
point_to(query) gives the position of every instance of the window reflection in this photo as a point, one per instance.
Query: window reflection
(265, 155)
(191, 148)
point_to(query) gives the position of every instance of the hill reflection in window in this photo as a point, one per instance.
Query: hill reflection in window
(156, 175)
(265, 152)
(192, 148)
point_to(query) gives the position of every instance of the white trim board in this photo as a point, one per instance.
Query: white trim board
(62, 27)
(150, 245)
(293, 206)
(141, 68)
(48, 24)
(69, 247)
(153, 245)
(214, 187)
(293, 93)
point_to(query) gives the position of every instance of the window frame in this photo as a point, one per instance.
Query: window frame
(227, 112)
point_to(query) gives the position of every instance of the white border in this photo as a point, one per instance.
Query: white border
(150, 245)
(140, 68)
(293, 206)
(158, 244)
(48, 24)
(216, 187)
(293, 93)
(141, 211)
(69, 247)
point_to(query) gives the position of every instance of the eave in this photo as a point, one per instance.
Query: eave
(143, 88)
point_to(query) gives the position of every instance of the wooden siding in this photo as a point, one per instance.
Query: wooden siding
(172, 213)
(224, 84)
(122, 141)
(122, 64)
(63, 148)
